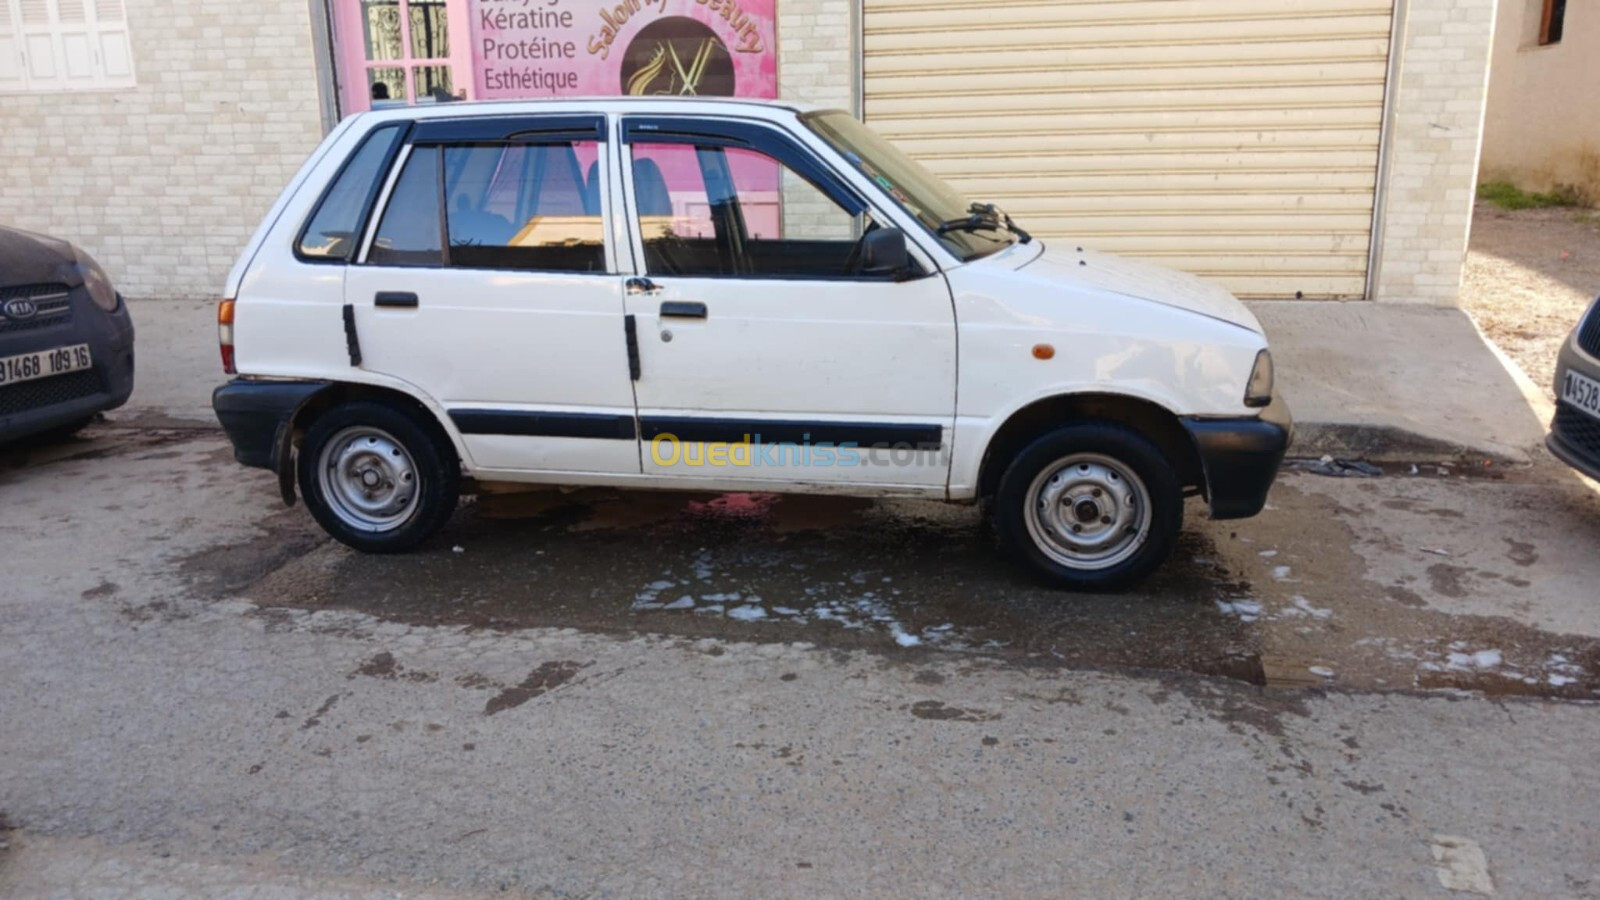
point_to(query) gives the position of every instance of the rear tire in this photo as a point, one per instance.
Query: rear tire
(1089, 507)
(378, 478)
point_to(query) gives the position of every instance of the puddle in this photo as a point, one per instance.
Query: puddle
(1370, 584)
(97, 441)
(839, 572)
(1282, 602)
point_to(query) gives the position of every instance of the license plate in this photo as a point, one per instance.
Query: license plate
(1582, 392)
(45, 363)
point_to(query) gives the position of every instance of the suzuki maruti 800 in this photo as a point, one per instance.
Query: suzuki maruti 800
(725, 296)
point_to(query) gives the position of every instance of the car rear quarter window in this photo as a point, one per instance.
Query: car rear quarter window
(334, 228)
(409, 232)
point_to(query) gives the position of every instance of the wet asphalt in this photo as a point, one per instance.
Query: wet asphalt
(1284, 600)
(625, 693)
(835, 572)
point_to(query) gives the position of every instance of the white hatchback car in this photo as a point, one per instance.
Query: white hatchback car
(727, 296)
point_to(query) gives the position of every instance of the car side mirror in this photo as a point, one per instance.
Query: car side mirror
(884, 254)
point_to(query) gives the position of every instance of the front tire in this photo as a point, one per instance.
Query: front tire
(378, 478)
(1089, 507)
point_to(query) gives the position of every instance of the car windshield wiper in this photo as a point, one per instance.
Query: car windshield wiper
(984, 217)
(1003, 217)
(974, 222)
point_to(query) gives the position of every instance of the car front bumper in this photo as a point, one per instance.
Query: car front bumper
(1240, 457)
(31, 407)
(1574, 434)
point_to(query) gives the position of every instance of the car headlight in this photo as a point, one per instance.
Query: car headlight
(1259, 391)
(96, 282)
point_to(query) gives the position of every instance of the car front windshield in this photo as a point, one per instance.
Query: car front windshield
(937, 205)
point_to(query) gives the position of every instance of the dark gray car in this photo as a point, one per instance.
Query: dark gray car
(1575, 433)
(66, 340)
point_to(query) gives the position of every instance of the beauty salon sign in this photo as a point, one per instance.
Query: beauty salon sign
(555, 48)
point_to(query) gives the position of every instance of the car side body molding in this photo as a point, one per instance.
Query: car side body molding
(531, 423)
(769, 431)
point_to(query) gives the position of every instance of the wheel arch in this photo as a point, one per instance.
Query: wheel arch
(1158, 424)
(337, 393)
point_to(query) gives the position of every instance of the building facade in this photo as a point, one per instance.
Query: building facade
(1541, 133)
(1324, 149)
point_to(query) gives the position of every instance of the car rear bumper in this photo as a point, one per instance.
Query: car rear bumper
(1240, 457)
(30, 407)
(256, 416)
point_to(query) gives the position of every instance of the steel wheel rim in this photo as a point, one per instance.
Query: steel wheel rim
(369, 479)
(1088, 511)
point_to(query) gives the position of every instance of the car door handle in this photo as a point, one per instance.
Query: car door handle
(681, 309)
(641, 285)
(395, 299)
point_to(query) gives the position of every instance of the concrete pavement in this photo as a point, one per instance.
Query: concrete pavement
(1372, 381)
(177, 361)
(172, 727)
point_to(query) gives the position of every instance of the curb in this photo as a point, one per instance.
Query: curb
(1390, 443)
(1538, 399)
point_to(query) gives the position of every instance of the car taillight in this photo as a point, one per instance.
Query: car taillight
(225, 334)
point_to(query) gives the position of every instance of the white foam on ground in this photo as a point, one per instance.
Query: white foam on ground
(1461, 865)
(1481, 659)
(1245, 610)
(1304, 605)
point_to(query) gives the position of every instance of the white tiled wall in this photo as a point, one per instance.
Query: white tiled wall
(1433, 149)
(816, 66)
(164, 182)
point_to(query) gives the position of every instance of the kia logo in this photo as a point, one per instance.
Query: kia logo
(20, 309)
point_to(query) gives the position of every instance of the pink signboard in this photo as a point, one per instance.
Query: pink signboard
(404, 52)
(566, 48)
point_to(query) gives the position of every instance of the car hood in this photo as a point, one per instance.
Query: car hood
(28, 258)
(1140, 280)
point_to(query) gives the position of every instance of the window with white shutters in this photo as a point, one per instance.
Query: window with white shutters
(64, 45)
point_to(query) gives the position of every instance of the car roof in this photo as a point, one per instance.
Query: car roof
(766, 109)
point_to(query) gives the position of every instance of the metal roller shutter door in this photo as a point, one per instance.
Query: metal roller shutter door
(1236, 139)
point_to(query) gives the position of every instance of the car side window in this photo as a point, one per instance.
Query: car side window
(409, 233)
(735, 212)
(331, 232)
(525, 206)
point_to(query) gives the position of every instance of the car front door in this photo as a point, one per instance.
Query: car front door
(766, 352)
(488, 284)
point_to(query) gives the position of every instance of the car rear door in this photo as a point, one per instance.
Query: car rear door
(487, 282)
